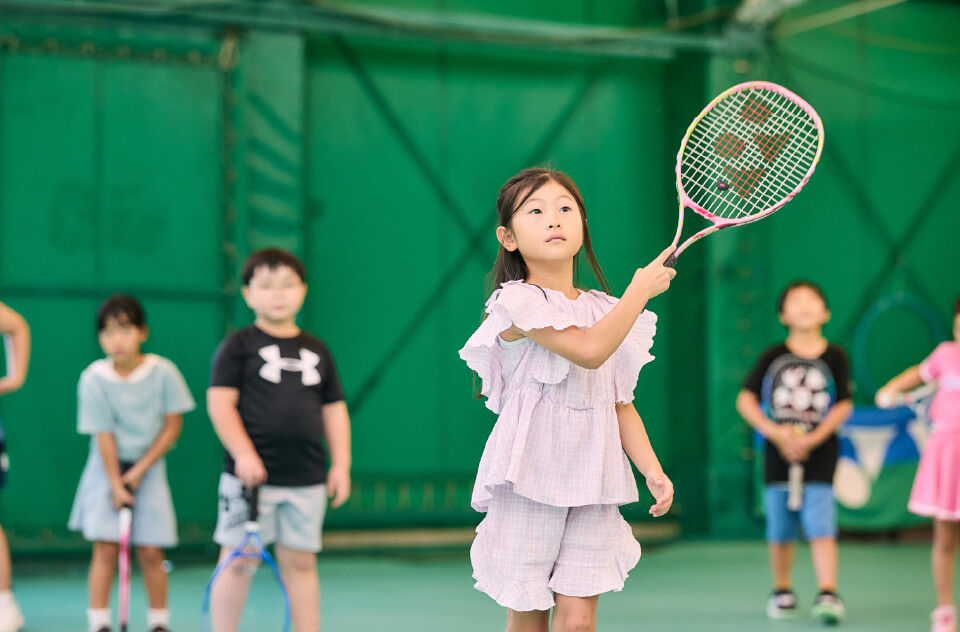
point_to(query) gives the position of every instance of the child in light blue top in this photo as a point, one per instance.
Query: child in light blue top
(132, 405)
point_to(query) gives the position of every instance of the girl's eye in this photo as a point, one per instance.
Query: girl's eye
(535, 211)
(565, 209)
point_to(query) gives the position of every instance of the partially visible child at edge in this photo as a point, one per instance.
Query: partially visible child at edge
(274, 398)
(132, 403)
(13, 328)
(797, 396)
(936, 488)
(559, 365)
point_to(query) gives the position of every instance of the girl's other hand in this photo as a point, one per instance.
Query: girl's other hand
(121, 496)
(886, 398)
(655, 278)
(250, 470)
(132, 478)
(662, 489)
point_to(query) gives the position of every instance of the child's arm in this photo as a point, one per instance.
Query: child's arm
(107, 444)
(591, 348)
(836, 417)
(907, 380)
(782, 436)
(636, 443)
(172, 427)
(13, 324)
(222, 407)
(336, 426)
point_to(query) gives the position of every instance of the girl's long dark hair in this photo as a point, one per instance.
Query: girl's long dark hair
(510, 266)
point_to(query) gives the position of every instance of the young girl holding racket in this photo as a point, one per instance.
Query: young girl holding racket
(559, 365)
(132, 404)
(15, 334)
(936, 488)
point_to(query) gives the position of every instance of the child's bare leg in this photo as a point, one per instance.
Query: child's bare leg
(528, 621)
(781, 564)
(150, 559)
(229, 593)
(5, 573)
(943, 559)
(103, 565)
(824, 553)
(300, 575)
(575, 614)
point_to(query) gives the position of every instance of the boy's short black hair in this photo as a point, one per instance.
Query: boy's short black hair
(799, 284)
(272, 258)
(122, 308)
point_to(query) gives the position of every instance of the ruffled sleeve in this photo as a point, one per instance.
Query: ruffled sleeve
(525, 306)
(632, 354)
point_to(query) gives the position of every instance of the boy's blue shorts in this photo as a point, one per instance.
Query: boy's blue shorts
(818, 514)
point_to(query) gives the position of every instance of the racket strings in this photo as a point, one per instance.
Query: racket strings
(768, 144)
(749, 168)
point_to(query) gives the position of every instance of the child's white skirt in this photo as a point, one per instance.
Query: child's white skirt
(154, 520)
(526, 551)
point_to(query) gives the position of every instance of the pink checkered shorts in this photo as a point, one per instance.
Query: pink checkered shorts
(526, 551)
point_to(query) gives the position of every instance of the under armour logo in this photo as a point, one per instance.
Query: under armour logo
(275, 364)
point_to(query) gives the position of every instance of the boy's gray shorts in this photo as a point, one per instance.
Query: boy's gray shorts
(292, 516)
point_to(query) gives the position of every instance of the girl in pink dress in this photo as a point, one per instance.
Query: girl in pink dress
(936, 488)
(559, 364)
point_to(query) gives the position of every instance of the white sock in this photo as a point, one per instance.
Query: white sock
(158, 617)
(98, 618)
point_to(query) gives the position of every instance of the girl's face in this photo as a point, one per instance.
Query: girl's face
(548, 227)
(275, 295)
(803, 309)
(120, 339)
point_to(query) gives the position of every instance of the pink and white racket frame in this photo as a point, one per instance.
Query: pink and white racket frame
(719, 222)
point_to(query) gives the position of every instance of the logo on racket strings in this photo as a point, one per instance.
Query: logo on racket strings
(729, 145)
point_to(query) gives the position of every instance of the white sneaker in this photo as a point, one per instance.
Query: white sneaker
(11, 619)
(829, 609)
(782, 605)
(944, 619)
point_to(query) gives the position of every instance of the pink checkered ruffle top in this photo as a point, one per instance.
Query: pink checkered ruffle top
(557, 438)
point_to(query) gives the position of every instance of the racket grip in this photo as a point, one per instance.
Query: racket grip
(671, 261)
(795, 487)
(252, 496)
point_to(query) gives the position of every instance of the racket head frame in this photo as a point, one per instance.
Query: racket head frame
(250, 547)
(718, 222)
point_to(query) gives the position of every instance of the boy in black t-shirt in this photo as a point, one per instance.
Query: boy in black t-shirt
(796, 396)
(274, 398)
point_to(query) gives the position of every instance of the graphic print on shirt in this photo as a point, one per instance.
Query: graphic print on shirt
(306, 365)
(798, 391)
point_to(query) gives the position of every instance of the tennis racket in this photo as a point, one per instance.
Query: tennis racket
(126, 528)
(912, 398)
(746, 155)
(250, 547)
(798, 392)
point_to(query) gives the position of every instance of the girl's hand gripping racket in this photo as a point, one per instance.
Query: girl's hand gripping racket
(746, 155)
(250, 547)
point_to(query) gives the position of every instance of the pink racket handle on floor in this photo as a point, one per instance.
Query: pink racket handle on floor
(126, 524)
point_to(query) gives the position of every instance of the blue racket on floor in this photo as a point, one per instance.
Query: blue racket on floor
(251, 546)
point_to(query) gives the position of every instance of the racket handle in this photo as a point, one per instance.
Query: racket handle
(252, 496)
(795, 487)
(671, 261)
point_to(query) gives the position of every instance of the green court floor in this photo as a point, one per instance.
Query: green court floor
(685, 587)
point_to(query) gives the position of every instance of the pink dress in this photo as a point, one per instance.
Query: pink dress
(553, 472)
(936, 488)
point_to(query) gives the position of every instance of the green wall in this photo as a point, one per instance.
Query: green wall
(152, 159)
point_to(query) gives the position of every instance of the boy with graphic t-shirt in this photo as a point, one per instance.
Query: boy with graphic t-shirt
(796, 396)
(274, 398)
